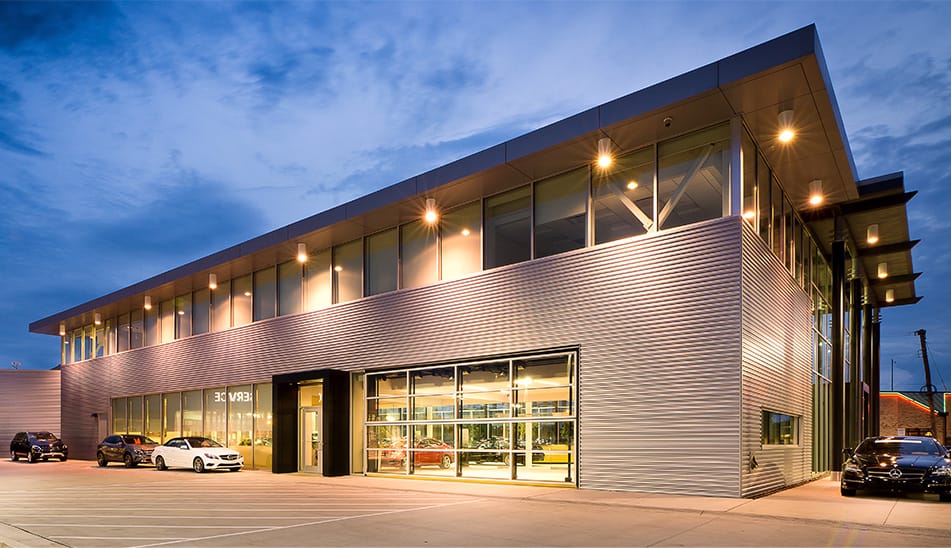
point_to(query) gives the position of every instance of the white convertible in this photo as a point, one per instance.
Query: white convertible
(197, 453)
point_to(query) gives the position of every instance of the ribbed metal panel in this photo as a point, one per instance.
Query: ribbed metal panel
(777, 358)
(29, 400)
(657, 322)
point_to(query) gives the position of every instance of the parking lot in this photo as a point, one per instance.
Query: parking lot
(79, 504)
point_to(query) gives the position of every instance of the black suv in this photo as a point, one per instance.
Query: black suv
(898, 463)
(34, 446)
(129, 449)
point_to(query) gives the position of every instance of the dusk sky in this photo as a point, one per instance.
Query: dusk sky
(136, 137)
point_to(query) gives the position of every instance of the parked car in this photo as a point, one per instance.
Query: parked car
(898, 463)
(199, 454)
(497, 450)
(34, 446)
(428, 451)
(130, 449)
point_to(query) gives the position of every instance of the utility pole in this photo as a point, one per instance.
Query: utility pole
(928, 386)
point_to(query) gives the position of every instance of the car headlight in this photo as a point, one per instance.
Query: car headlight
(854, 468)
(139, 452)
(211, 456)
(36, 449)
(942, 470)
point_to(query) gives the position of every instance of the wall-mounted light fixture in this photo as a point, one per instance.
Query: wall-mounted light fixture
(147, 304)
(605, 154)
(815, 192)
(430, 215)
(882, 270)
(212, 281)
(62, 329)
(871, 234)
(97, 318)
(632, 184)
(786, 131)
(889, 295)
(301, 252)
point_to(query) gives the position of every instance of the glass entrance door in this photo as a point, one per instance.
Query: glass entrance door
(311, 441)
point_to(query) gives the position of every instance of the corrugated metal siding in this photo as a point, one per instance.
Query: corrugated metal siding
(29, 400)
(777, 365)
(657, 322)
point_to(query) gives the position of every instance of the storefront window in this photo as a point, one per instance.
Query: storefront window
(136, 415)
(561, 213)
(508, 229)
(382, 262)
(171, 416)
(418, 264)
(240, 423)
(263, 426)
(191, 413)
(461, 242)
(780, 429)
(480, 440)
(216, 414)
(624, 197)
(153, 416)
(692, 173)
(120, 415)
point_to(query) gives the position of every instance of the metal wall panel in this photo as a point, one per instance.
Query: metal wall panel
(656, 321)
(777, 368)
(29, 400)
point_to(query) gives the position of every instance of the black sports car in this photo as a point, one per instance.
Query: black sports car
(898, 463)
(34, 446)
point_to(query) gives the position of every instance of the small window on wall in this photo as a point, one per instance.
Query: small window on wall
(461, 242)
(780, 429)
(692, 173)
(561, 208)
(348, 271)
(508, 229)
(382, 262)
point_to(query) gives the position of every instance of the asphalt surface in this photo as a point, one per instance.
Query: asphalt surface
(78, 504)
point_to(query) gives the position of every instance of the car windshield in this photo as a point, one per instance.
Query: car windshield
(44, 436)
(137, 440)
(893, 447)
(202, 442)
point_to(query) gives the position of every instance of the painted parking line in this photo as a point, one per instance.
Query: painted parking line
(309, 524)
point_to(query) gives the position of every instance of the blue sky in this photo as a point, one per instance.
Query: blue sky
(135, 137)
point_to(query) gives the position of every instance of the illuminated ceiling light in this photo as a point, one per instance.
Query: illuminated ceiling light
(889, 295)
(749, 214)
(882, 270)
(97, 318)
(181, 312)
(148, 303)
(632, 184)
(786, 131)
(212, 281)
(605, 157)
(815, 192)
(247, 293)
(338, 268)
(871, 235)
(301, 252)
(62, 329)
(465, 232)
(431, 215)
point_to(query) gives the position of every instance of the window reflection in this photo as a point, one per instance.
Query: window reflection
(624, 197)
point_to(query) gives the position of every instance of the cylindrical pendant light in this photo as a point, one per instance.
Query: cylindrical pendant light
(148, 303)
(212, 281)
(889, 295)
(871, 235)
(815, 192)
(62, 329)
(882, 270)
(97, 318)
(605, 156)
(301, 252)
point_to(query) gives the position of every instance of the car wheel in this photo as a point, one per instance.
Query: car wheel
(846, 492)
(62, 459)
(198, 465)
(160, 464)
(13, 456)
(233, 469)
(945, 497)
(445, 462)
(101, 460)
(127, 460)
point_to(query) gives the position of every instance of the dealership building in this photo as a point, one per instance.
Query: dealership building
(677, 291)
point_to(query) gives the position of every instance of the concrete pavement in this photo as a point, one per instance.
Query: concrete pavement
(78, 504)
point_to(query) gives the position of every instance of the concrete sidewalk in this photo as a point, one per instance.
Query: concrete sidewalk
(818, 500)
